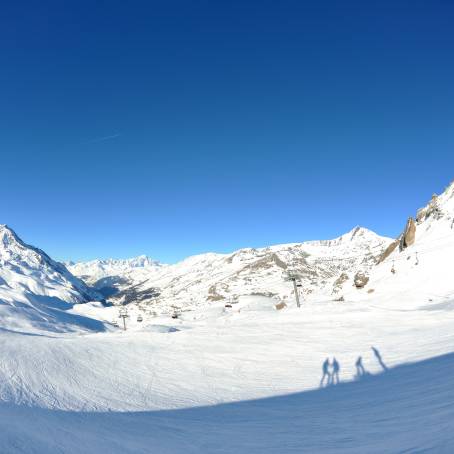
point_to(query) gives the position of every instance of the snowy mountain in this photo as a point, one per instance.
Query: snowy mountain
(36, 291)
(111, 276)
(323, 267)
(418, 264)
(97, 269)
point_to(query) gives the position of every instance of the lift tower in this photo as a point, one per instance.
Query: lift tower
(291, 275)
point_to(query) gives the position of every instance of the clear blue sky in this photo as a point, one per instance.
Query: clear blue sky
(171, 128)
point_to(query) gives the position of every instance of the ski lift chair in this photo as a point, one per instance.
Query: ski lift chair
(393, 269)
(139, 318)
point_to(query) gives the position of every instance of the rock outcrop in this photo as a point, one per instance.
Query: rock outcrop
(339, 282)
(409, 236)
(432, 210)
(389, 250)
(360, 279)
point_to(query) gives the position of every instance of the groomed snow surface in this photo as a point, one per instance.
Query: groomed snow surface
(237, 380)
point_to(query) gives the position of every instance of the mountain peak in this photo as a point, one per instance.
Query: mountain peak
(10, 242)
(41, 285)
(7, 232)
(360, 232)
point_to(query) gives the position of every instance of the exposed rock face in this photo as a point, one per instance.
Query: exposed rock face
(267, 262)
(213, 294)
(337, 286)
(409, 235)
(432, 210)
(360, 279)
(389, 250)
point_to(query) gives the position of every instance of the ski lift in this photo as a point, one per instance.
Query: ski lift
(174, 315)
(232, 300)
(393, 269)
(229, 306)
(115, 323)
(417, 260)
(140, 318)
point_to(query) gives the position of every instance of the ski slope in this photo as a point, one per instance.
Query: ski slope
(241, 380)
(407, 410)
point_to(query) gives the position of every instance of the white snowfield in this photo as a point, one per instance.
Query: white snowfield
(190, 391)
(246, 378)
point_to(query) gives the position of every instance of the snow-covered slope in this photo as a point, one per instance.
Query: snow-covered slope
(189, 388)
(418, 265)
(212, 277)
(36, 291)
(408, 409)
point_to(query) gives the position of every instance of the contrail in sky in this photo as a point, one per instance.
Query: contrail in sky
(103, 139)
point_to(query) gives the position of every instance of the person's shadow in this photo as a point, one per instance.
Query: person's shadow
(326, 378)
(335, 373)
(361, 372)
(330, 373)
(379, 359)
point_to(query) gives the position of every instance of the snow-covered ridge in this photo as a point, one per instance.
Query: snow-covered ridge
(35, 290)
(104, 267)
(135, 262)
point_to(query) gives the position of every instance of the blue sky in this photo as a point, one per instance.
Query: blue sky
(179, 127)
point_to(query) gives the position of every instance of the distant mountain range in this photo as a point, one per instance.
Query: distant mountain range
(212, 277)
(353, 266)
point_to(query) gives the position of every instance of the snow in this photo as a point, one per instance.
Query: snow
(380, 414)
(235, 382)
(240, 379)
(108, 267)
(36, 292)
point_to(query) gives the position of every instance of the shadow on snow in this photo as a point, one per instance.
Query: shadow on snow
(408, 408)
